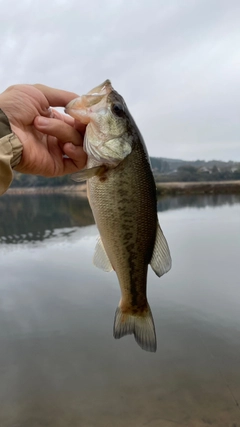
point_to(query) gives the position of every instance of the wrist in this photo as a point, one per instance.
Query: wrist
(5, 128)
(15, 145)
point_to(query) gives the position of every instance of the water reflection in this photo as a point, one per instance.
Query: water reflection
(199, 201)
(59, 364)
(33, 218)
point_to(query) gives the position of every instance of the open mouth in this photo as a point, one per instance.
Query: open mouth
(80, 108)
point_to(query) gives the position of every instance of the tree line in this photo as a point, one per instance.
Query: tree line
(164, 170)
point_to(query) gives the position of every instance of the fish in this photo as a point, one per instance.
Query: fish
(122, 195)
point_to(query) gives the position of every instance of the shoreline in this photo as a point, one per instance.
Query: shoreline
(79, 190)
(207, 187)
(163, 188)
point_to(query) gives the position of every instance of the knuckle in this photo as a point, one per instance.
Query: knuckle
(12, 87)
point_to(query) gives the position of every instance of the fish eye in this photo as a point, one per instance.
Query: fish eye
(117, 109)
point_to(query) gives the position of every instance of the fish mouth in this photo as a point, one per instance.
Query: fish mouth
(81, 108)
(103, 89)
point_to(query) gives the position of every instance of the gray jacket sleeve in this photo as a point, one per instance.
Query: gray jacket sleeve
(10, 153)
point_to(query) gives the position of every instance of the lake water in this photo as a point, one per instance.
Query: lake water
(60, 365)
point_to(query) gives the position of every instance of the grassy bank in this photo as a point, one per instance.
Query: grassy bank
(163, 188)
(69, 189)
(218, 187)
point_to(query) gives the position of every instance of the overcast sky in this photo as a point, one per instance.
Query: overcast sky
(176, 63)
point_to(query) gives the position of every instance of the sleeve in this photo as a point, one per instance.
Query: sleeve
(10, 153)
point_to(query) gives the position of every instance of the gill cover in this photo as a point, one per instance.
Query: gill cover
(106, 140)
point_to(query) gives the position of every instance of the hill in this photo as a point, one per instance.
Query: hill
(176, 170)
(164, 170)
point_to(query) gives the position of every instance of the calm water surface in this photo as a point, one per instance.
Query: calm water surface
(60, 365)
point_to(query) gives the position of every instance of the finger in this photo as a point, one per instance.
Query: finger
(64, 117)
(81, 127)
(70, 166)
(59, 129)
(56, 97)
(75, 153)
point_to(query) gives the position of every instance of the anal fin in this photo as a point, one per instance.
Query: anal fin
(161, 261)
(100, 258)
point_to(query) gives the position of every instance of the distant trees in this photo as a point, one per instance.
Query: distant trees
(160, 165)
(21, 180)
(198, 171)
(164, 170)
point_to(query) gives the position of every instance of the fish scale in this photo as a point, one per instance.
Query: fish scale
(123, 210)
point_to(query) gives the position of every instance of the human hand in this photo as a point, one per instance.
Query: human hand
(46, 135)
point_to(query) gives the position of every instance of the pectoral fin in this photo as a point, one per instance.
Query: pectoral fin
(86, 174)
(161, 261)
(100, 258)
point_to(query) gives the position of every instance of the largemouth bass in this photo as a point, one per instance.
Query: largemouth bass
(122, 195)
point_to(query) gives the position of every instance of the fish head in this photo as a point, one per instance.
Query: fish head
(109, 136)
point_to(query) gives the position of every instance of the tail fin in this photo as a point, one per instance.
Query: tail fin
(142, 326)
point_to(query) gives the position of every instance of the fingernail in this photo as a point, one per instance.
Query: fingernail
(42, 121)
(50, 112)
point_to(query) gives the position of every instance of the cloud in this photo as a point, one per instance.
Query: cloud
(176, 63)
